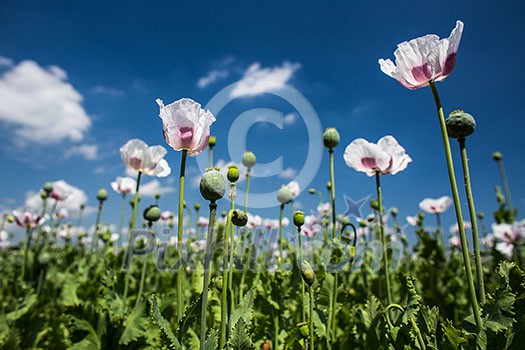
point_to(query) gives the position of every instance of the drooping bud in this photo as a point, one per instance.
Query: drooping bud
(44, 258)
(48, 187)
(197, 206)
(328, 185)
(212, 141)
(233, 173)
(394, 211)
(284, 195)
(102, 195)
(307, 273)
(481, 215)
(212, 185)
(152, 213)
(298, 218)
(497, 156)
(44, 194)
(374, 204)
(312, 191)
(249, 159)
(460, 124)
(239, 218)
(331, 138)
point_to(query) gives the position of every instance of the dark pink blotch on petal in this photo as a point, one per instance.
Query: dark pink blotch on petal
(422, 73)
(450, 63)
(186, 136)
(135, 162)
(369, 162)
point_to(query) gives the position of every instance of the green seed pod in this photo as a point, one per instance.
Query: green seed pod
(298, 218)
(152, 213)
(331, 138)
(48, 187)
(212, 141)
(44, 258)
(197, 206)
(328, 185)
(249, 159)
(394, 211)
(44, 194)
(481, 215)
(284, 195)
(239, 218)
(374, 204)
(224, 214)
(212, 185)
(157, 196)
(233, 173)
(497, 156)
(460, 124)
(10, 218)
(420, 216)
(312, 191)
(307, 272)
(102, 195)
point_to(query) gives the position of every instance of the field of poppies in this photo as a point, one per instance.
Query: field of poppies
(199, 279)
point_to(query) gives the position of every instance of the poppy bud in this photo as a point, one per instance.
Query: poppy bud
(102, 195)
(298, 218)
(307, 272)
(212, 185)
(284, 195)
(212, 141)
(374, 204)
(233, 173)
(460, 124)
(197, 206)
(48, 187)
(328, 185)
(223, 214)
(152, 213)
(394, 211)
(331, 138)
(312, 191)
(497, 156)
(239, 218)
(249, 159)
(157, 195)
(44, 194)
(481, 215)
(44, 258)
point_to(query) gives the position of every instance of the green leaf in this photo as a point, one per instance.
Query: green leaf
(498, 310)
(452, 338)
(135, 325)
(69, 292)
(28, 303)
(240, 340)
(212, 343)
(161, 322)
(190, 315)
(412, 307)
(244, 310)
(91, 340)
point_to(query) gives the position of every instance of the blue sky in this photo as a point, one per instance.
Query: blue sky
(82, 78)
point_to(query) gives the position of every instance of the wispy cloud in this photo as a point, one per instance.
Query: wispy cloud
(5, 62)
(290, 118)
(89, 152)
(257, 80)
(288, 173)
(41, 105)
(153, 187)
(212, 77)
(75, 199)
(105, 90)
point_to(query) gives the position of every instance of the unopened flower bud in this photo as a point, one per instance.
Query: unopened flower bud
(48, 187)
(212, 185)
(374, 204)
(212, 141)
(298, 218)
(224, 214)
(497, 156)
(233, 173)
(152, 213)
(239, 218)
(460, 124)
(331, 138)
(420, 216)
(44, 258)
(328, 185)
(307, 272)
(249, 159)
(157, 195)
(44, 194)
(284, 195)
(197, 206)
(312, 191)
(132, 201)
(481, 215)
(394, 211)
(102, 195)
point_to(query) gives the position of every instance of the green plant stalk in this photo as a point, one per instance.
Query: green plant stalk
(225, 269)
(439, 237)
(303, 308)
(40, 284)
(80, 215)
(121, 222)
(180, 270)
(275, 330)
(53, 210)
(232, 249)
(281, 210)
(44, 207)
(320, 194)
(248, 177)
(141, 285)
(310, 321)
(413, 323)
(383, 238)
(196, 219)
(503, 175)
(473, 221)
(457, 206)
(207, 272)
(332, 191)
(26, 251)
(94, 239)
(211, 157)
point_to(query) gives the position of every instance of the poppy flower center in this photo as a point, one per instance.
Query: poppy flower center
(186, 136)
(369, 162)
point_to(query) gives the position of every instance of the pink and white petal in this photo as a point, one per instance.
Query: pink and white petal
(161, 170)
(364, 156)
(444, 203)
(387, 66)
(399, 159)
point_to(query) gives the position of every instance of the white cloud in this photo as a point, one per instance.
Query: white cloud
(40, 105)
(153, 187)
(257, 80)
(72, 203)
(131, 173)
(5, 62)
(211, 77)
(89, 152)
(99, 89)
(290, 118)
(288, 173)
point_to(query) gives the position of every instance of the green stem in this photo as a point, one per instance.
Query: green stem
(40, 284)
(383, 238)
(207, 272)
(473, 221)
(505, 184)
(281, 210)
(80, 215)
(141, 285)
(248, 177)
(310, 321)
(94, 238)
(334, 305)
(303, 308)
(457, 206)
(420, 340)
(275, 330)
(439, 237)
(332, 191)
(180, 270)
(224, 291)
(211, 157)
(26, 251)
(44, 207)
(135, 203)
(121, 223)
